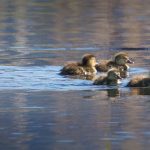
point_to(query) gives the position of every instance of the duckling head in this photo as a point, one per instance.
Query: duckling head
(114, 74)
(123, 59)
(89, 60)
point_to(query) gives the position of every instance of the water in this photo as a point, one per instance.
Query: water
(48, 78)
(40, 109)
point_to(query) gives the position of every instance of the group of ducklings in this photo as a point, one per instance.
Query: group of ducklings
(116, 69)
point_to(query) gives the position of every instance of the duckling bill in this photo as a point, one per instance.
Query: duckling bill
(112, 78)
(85, 67)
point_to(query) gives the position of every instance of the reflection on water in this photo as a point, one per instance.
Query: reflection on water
(64, 120)
(113, 92)
(140, 91)
(61, 24)
(39, 109)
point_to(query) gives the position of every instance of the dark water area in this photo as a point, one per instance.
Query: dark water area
(40, 109)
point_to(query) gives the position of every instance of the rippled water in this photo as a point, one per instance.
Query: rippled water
(40, 109)
(48, 78)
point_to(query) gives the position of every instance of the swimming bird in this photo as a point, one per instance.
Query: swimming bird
(85, 67)
(120, 61)
(112, 78)
(139, 81)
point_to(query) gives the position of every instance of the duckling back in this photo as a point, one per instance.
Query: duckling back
(100, 81)
(139, 82)
(72, 69)
(105, 81)
(85, 67)
(103, 66)
(112, 78)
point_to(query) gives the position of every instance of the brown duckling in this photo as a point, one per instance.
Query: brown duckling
(112, 78)
(86, 67)
(120, 61)
(139, 82)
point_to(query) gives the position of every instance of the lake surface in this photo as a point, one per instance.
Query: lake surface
(40, 109)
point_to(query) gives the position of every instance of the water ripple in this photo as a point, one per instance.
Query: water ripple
(47, 78)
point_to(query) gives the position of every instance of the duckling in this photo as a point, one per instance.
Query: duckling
(120, 61)
(86, 67)
(139, 81)
(112, 78)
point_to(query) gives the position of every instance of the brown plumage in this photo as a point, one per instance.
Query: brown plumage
(139, 82)
(120, 61)
(86, 67)
(112, 78)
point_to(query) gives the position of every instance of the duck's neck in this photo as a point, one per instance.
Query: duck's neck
(94, 70)
(90, 69)
(126, 67)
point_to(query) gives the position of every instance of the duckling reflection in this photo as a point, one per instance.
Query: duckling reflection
(140, 91)
(113, 92)
(112, 78)
(86, 67)
(120, 61)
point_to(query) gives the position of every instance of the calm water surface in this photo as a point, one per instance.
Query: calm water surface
(39, 109)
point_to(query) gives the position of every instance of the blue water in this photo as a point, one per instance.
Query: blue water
(48, 78)
(42, 110)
